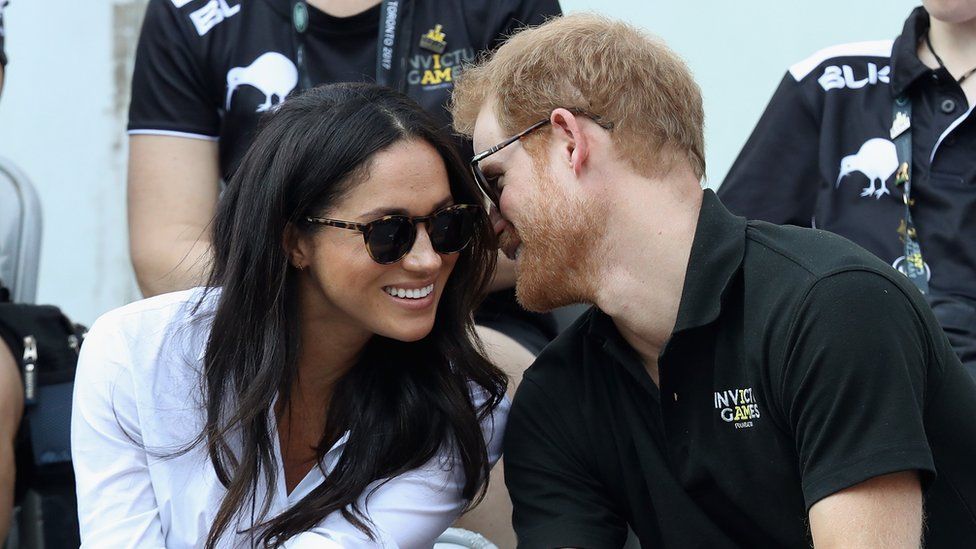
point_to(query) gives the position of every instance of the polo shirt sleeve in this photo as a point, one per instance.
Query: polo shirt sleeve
(557, 501)
(853, 387)
(170, 94)
(116, 502)
(775, 177)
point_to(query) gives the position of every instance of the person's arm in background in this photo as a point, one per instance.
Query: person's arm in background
(11, 410)
(174, 175)
(11, 395)
(775, 177)
(172, 196)
(504, 274)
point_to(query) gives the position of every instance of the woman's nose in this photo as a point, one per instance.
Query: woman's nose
(422, 257)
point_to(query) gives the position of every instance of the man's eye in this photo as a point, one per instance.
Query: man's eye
(494, 181)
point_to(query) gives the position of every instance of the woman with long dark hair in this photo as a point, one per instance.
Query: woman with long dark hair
(317, 392)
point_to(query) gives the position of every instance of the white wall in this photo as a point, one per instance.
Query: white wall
(739, 51)
(62, 117)
(62, 114)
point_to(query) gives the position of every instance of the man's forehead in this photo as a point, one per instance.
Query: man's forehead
(487, 132)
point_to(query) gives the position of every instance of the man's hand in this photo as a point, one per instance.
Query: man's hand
(883, 512)
(173, 187)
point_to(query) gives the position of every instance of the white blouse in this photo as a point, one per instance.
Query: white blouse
(138, 397)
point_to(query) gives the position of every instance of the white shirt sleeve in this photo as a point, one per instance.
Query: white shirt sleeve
(411, 510)
(116, 504)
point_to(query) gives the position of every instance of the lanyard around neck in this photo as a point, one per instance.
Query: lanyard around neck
(394, 24)
(961, 79)
(901, 132)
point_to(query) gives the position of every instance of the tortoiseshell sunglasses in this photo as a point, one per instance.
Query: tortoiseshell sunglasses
(391, 237)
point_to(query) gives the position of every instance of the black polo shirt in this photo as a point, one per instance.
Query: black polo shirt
(799, 365)
(822, 156)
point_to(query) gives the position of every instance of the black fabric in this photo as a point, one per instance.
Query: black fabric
(3, 56)
(42, 445)
(788, 171)
(185, 57)
(800, 365)
(51, 329)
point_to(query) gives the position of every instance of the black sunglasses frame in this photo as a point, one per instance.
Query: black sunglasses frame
(367, 228)
(486, 188)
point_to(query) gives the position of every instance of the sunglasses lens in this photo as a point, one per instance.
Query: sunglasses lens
(486, 187)
(452, 229)
(390, 239)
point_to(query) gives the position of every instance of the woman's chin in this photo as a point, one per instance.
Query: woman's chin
(409, 331)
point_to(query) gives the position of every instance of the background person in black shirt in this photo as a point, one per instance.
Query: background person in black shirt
(824, 154)
(737, 384)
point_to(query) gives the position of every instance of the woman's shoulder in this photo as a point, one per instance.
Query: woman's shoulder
(157, 311)
(142, 331)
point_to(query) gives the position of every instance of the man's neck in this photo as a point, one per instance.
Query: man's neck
(645, 264)
(343, 8)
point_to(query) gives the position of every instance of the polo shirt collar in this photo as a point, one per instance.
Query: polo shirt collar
(906, 67)
(716, 256)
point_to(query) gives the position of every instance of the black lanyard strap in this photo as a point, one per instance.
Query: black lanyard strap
(299, 25)
(392, 43)
(901, 131)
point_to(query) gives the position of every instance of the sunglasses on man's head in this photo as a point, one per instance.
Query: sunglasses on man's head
(489, 186)
(391, 237)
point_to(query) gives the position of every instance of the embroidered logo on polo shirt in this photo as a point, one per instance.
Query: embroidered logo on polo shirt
(434, 40)
(737, 406)
(212, 14)
(877, 159)
(271, 73)
(838, 78)
(437, 71)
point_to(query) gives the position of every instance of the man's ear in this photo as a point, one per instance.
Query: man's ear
(294, 246)
(570, 137)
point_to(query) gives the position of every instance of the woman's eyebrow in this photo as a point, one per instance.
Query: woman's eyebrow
(393, 210)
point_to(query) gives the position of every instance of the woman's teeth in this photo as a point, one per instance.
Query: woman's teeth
(419, 293)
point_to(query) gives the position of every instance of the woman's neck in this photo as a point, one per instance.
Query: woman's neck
(343, 8)
(328, 350)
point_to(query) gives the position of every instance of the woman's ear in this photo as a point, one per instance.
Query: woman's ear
(294, 246)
